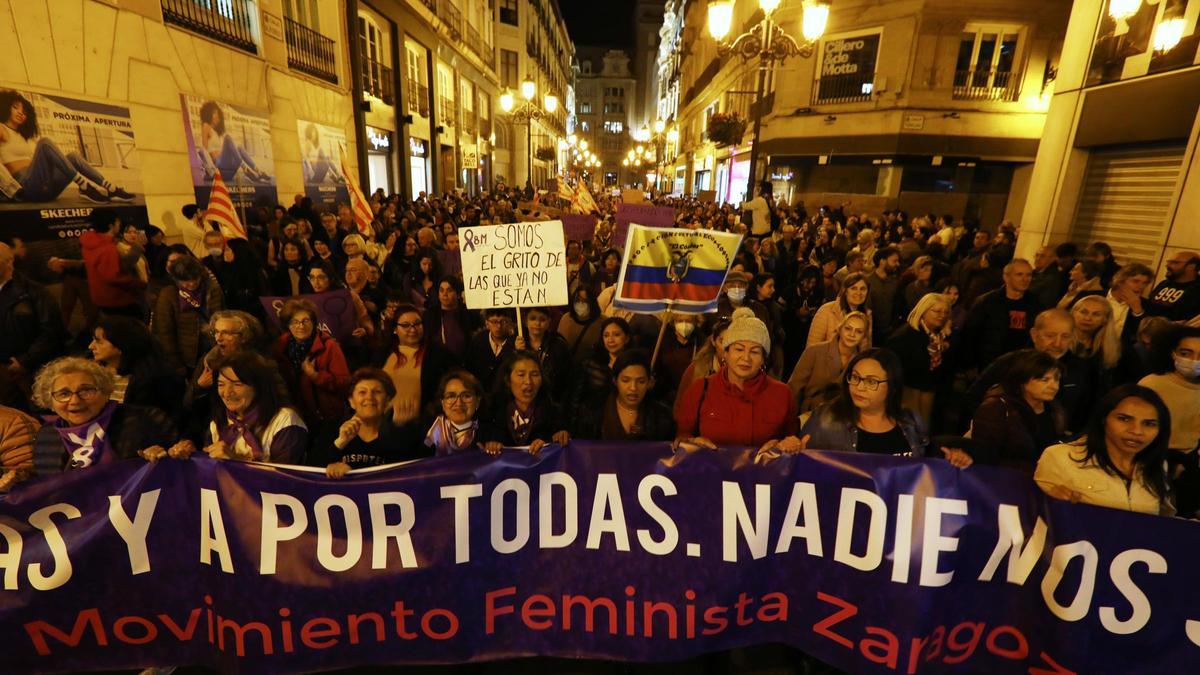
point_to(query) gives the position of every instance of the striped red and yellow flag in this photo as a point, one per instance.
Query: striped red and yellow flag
(584, 200)
(358, 201)
(222, 212)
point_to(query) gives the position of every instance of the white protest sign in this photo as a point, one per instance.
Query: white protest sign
(515, 265)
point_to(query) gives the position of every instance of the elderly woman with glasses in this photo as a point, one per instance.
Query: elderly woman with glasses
(311, 362)
(88, 428)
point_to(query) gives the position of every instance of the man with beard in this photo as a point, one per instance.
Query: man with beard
(884, 282)
(1178, 296)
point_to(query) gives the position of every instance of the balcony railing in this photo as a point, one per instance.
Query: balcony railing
(227, 21)
(447, 111)
(418, 99)
(377, 80)
(468, 122)
(842, 89)
(452, 17)
(310, 52)
(985, 85)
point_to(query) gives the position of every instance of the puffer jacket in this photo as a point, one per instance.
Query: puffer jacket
(827, 433)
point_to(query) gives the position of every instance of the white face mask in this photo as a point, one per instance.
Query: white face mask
(736, 294)
(582, 309)
(214, 252)
(1188, 368)
(684, 328)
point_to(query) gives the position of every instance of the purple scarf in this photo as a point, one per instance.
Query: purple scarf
(446, 439)
(521, 424)
(89, 443)
(242, 426)
(193, 300)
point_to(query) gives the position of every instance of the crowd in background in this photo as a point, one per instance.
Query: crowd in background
(891, 333)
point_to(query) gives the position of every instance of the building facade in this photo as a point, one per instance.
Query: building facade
(1118, 161)
(532, 44)
(647, 23)
(925, 106)
(429, 86)
(276, 62)
(605, 110)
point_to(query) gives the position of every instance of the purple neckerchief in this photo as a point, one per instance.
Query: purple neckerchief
(89, 443)
(446, 439)
(193, 300)
(242, 426)
(521, 424)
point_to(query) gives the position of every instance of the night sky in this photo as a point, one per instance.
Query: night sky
(599, 22)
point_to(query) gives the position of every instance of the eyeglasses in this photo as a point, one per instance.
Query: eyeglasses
(84, 394)
(301, 322)
(871, 383)
(409, 325)
(464, 396)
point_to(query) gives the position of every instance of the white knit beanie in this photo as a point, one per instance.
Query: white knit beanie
(746, 326)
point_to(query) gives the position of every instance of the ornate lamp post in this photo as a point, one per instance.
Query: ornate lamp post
(639, 160)
(660, 137)
(525, 112)
(770, 44)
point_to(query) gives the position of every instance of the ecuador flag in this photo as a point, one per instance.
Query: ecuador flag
(676, 269)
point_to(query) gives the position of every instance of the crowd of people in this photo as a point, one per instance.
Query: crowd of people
(889, 333)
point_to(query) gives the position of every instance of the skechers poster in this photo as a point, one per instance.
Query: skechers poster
(235, 141)
(321, 161)
(60, 159)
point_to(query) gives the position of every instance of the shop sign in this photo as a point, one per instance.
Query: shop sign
(416, 147)
(379, 139)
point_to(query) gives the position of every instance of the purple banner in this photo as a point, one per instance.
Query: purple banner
(578, 226)
(641, 214)
(335, 310)
(599, 550)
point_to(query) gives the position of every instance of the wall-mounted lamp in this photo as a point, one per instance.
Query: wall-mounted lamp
(950, 115)
(830, 119)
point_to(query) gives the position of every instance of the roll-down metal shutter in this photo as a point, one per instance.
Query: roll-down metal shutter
(1126, 194)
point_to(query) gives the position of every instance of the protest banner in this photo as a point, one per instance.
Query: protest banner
(616, 551)
(234, 141)
(335, 311)
(579, 226)
(320, 163)
(674, 269)
(47, 204)
(516, 265)
(642, 214)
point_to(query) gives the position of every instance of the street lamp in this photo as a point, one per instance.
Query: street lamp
(526, 112)
(659, 139)
(770, 44)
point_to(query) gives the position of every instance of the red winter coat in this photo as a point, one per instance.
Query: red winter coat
(761, 410)
(325, 397)
(110, 287)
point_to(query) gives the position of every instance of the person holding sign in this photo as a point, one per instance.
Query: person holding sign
(522, 412)
(739, 404)
(550, 347)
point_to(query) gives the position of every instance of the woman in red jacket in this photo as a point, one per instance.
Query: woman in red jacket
(739, 404)
(312, 364)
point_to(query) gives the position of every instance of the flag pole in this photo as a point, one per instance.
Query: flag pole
(520, 324)
(662, 330)
(241, 202)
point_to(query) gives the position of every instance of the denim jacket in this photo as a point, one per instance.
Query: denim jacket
(826, 433)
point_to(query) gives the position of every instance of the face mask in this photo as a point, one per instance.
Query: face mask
(582, 309)
(684, 328)
(215, 252)
(1188, 368)
(736, 294)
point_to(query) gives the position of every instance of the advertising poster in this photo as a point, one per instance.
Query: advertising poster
(60, 159)
(321, 161)
(235, 141)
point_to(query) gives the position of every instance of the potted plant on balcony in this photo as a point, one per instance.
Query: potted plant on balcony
(545, 153)
(726, 128)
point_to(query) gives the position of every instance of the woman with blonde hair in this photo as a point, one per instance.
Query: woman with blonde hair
(923, 346)
(822, 364)
(1095, 338)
